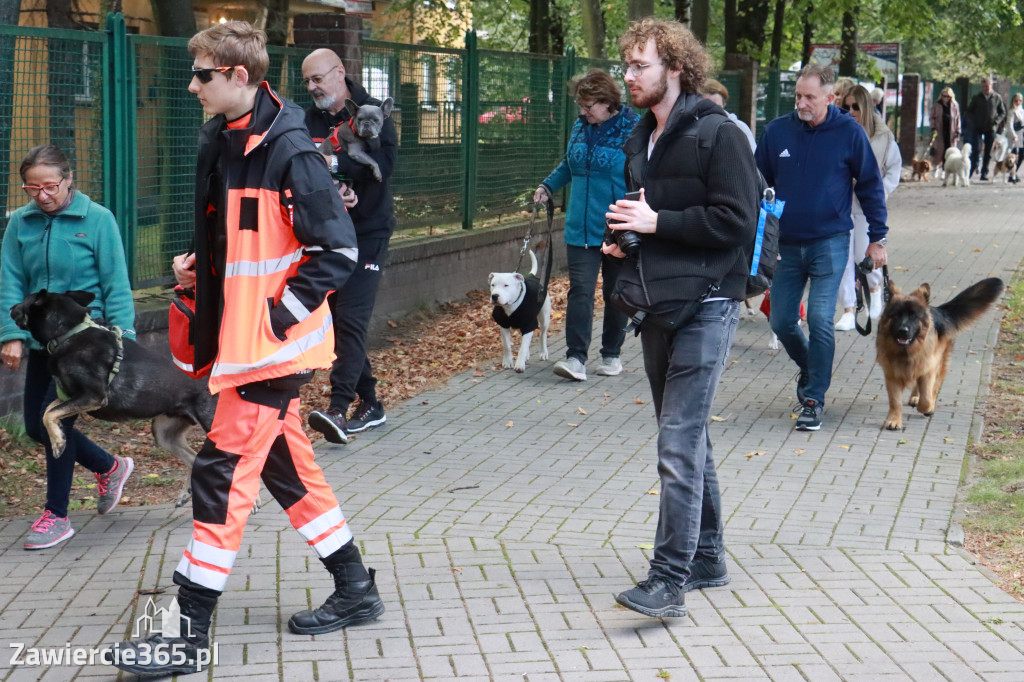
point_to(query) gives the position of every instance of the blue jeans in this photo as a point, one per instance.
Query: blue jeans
(584, 264)
(40, 391)
(822, 261)
(683, 369)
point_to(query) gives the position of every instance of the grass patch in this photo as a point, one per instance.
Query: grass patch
(994, 513)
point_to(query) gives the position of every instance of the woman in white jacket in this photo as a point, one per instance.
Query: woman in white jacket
(887, 154)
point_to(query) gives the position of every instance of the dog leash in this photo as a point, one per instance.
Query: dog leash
(549, 206)
(864, 268)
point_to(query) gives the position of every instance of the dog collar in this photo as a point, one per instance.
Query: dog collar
(520, 298)
(80, 327)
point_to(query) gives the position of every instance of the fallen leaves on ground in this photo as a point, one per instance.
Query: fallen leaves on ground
(412, 355)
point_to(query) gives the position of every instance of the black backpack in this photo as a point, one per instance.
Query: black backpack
(764, 250)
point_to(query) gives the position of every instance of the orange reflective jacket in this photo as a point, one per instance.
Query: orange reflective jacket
(272, 240)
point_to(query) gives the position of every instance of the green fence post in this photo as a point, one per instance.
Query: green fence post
(470, 120)
(119, 139)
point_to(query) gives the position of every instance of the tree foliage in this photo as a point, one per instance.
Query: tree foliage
(941, 39)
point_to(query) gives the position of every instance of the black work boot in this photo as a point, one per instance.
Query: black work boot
(160, 654)
(355, 599)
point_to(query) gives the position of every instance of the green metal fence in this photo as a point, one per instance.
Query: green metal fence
(52, 89)
(478, 129)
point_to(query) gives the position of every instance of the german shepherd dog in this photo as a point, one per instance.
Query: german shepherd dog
(147, 385)
(915, 340)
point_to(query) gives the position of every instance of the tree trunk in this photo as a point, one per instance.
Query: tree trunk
(848, 51)
(638, 9)
(593, 28)
(277, 22)
(777, 30)
(174, 17)
(682, 12)
(805, 52)
(699, 11)
(539, 25)
(730, 27)
(750, 22)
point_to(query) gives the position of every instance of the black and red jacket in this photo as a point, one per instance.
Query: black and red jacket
(272, 240)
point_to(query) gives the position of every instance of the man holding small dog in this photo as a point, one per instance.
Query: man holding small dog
(374, 219)
(272, 239)
(816, 158)
(695, 227)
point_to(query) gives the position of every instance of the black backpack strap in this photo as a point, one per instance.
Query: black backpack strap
(706, 131)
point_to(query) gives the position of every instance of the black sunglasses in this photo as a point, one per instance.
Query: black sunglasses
(206, 75)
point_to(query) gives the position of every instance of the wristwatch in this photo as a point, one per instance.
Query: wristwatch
(883, 241)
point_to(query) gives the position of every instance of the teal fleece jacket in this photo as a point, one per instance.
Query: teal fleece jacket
(593, 163)
(78, 249)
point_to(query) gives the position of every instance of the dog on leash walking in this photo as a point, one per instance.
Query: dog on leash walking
(92, 378)
(520, 303)
(354, 135)
(915, 341)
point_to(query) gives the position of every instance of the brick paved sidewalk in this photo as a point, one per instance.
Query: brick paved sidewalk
(504, 512)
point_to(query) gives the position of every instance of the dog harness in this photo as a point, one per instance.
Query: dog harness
(88, 322)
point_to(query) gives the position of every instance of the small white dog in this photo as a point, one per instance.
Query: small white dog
(518, 305)
(957, 165)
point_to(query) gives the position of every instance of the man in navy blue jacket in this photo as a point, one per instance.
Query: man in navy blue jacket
(816, 157)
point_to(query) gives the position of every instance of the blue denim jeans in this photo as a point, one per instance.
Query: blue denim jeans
(821, 262)
(40, 391)
(584, 264)
(683, 369)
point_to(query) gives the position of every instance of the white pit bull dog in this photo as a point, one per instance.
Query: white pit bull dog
(520, 303)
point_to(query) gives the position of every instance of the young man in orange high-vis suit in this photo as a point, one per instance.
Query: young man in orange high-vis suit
(272, 240)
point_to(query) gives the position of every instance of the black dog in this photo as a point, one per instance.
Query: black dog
(144, 385)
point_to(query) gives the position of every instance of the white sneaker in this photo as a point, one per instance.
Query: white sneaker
(875, 307)
(571, 368)
(610, 367)
(846, 323)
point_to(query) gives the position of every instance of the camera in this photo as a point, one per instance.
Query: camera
(628, 241)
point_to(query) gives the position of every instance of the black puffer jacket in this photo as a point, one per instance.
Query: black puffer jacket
(706, 225)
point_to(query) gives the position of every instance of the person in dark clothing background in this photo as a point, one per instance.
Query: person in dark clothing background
(988, 113)
(374, 217)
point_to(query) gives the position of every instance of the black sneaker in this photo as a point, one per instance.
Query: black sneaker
(705, 573)
(366, 416)
(331, 423)
(810, 416)
(655, 597)
(801, 385)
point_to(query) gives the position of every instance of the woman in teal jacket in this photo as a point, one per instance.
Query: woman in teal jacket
(61, 241)
(594, 164)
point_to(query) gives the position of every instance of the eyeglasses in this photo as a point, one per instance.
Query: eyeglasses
(50, 190)
(317, 80)
(635, 69)
(206, 75)
(585, 108)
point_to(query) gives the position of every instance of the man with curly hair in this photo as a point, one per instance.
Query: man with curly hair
(696, 219)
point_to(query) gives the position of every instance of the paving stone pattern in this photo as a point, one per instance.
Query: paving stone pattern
(503, 512)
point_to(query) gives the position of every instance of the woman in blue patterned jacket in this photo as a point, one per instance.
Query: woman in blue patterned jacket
(594, 163)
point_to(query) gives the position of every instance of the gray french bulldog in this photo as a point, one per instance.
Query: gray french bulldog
(353, 135)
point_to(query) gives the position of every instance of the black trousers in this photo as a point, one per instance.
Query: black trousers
(352, 308)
